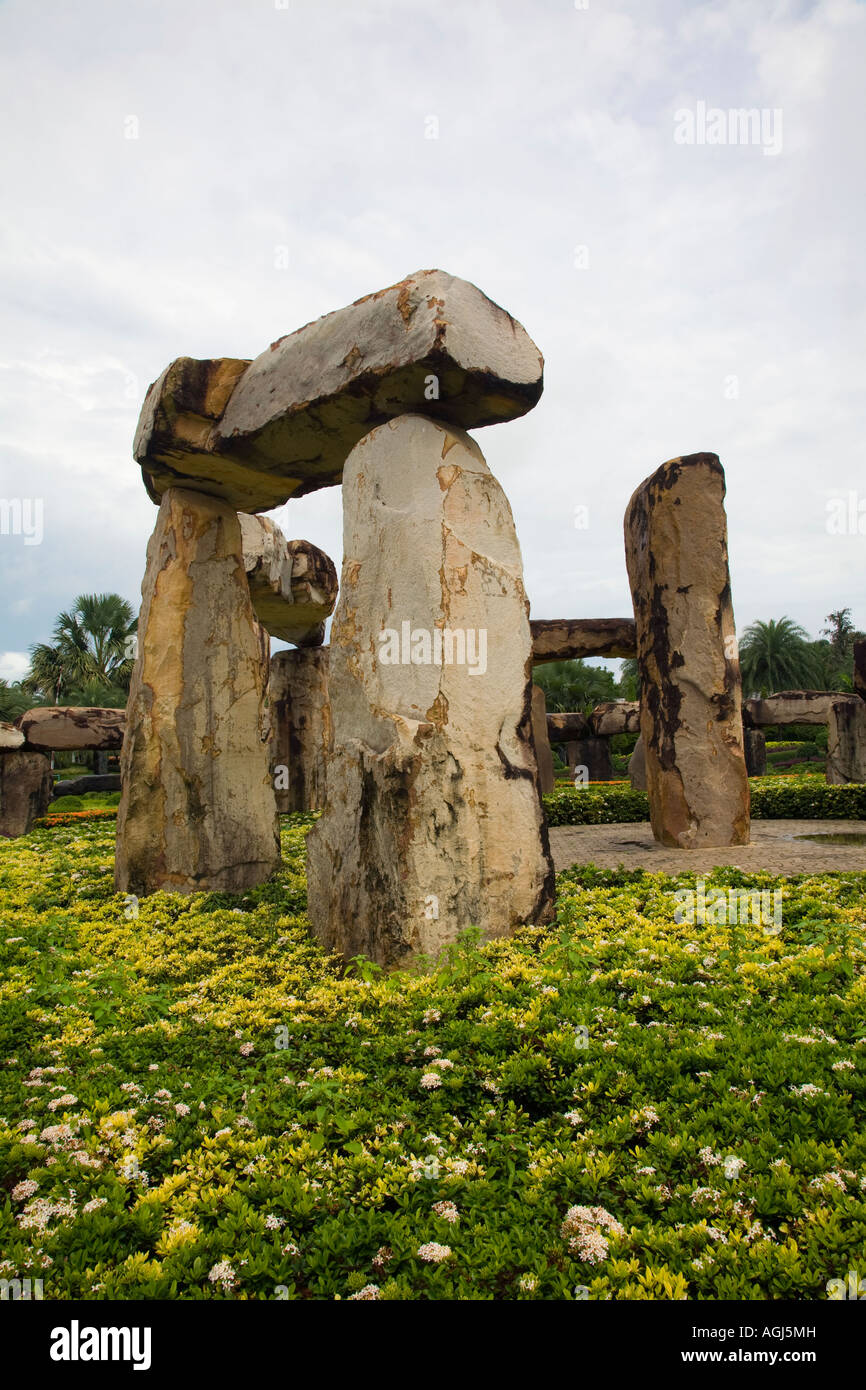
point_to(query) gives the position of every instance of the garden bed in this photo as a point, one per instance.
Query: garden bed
(197, 1103)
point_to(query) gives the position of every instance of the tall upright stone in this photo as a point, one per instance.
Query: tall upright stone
(691, 702)
(197, 809)
(846, 741)
(433, 820)
(301, 731)
(637, 767)
(860, 667)
(755, 748)
(543, 751)
(25, 787)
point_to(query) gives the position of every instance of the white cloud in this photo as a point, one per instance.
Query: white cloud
(304, 128)
(13, 665)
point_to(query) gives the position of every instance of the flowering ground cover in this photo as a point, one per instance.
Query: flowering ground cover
(196, 1102)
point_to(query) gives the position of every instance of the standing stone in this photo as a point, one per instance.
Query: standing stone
(691, 704)
(301, 731)
(197, 810)
(433, 821)
(755, 747)
(846, 741)
(543, 752)
(25, 791)
(593, 755)
(860, 668)
(637, 767)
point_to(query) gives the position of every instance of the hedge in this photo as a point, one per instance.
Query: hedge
(772, 799)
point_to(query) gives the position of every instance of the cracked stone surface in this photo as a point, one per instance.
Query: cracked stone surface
(433, 819)
(256, 433)
(62, 727)
(846, 742)
(198, 810)
(691, 707)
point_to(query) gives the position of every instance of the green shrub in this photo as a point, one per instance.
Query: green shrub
(772, 799)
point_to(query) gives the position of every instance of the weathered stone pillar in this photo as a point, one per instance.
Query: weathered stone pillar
(594, 755)
(543, 752)
(637, 767)
(860, 668)
(25, 789)
(301, 732)
(691, 715)
(197, 810)
(846, 742)
(433, 819)
(755, 747)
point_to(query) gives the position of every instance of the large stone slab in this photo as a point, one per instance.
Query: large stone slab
(284, 424)
(567, 639)
(691, 704)
(543, 752)
(789, 707)
(433, 819)
(846, 741)
(301, 728)
(197, 809)
(10, 737)
(293, 584)
(80, 786)
(25, 791)
(615, 717)
(61, 727)
(563, 727)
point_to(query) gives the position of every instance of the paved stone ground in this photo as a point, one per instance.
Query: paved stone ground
(775, 848)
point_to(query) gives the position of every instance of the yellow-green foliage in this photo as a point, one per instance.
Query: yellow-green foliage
(196, 1102)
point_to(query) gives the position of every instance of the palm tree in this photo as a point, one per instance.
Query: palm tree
(629, 679)
(14, 700)
(841, 633)
(775, 656)
(91, 651)
(572, 685)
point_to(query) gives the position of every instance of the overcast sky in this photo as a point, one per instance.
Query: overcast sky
(199, 177)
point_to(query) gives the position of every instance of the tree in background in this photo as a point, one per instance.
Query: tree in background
(842, 634)
(775, 656)
(90, 660)
(570, 686)
(629, 679)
